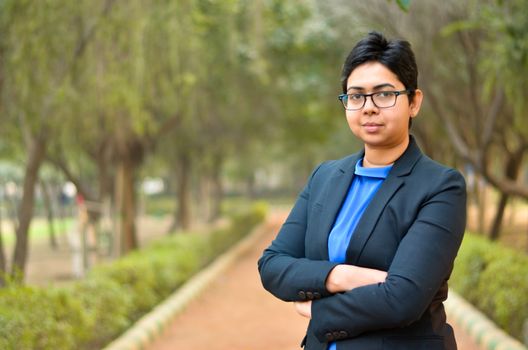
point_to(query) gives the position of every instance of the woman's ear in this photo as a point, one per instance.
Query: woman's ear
(416, 102)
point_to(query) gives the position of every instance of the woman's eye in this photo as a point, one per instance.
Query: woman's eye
(355, 97)
(385, 94)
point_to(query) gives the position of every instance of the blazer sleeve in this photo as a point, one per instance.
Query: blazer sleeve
(284, 270)
(423, 261)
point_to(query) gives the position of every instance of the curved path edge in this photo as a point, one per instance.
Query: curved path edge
(477, 326)
(152, 325)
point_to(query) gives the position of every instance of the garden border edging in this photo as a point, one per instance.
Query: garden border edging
(481, 329)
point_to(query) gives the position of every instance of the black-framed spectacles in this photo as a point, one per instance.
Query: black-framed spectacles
(380, 99)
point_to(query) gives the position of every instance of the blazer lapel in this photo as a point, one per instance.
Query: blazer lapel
(370, 217)
(335, 194)
(396, 179)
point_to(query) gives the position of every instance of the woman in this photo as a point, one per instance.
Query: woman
(369, 245)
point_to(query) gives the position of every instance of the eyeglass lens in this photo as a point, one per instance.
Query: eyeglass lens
(382, 99)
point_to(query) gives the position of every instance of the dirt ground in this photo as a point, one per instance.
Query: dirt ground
(236, 313)
(46, 266)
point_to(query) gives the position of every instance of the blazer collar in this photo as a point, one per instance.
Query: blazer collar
(404, 165)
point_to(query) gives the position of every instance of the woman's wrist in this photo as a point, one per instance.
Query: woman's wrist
(337, 278)
(343, 278)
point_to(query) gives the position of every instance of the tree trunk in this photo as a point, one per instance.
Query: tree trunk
(204, 197)
(512, 173)
(2, 255)
(499, 215)
(104, 165)
(36, 153)
(13, 211)
(482, 204)
(251, 186)
(126, 205)
(526, 248)
(184, 191)
(182, 217)
(49, 214)
(218, 189)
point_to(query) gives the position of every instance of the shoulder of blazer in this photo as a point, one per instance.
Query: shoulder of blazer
(423, 169)
(342, 165)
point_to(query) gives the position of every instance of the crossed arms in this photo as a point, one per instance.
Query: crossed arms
(357, 299)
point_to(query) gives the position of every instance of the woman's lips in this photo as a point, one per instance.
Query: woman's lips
(372, 127)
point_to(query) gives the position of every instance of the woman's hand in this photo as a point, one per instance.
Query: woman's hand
(343, 278)
(304, 308)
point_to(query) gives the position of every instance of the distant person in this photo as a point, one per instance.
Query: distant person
(369, 245)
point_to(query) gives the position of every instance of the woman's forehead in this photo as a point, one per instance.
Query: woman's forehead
(372, 74)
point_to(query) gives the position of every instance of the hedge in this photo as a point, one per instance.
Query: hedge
(90, 313)
(495, 280)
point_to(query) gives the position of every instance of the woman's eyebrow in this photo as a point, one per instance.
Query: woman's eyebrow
(377, 87)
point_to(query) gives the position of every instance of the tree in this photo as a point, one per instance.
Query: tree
(502, 64)
(36, 70)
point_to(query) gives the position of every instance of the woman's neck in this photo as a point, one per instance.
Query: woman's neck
(380, 157)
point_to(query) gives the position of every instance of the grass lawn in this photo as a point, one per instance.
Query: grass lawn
(39, 229)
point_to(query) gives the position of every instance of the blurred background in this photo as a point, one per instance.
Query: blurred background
(125, 121)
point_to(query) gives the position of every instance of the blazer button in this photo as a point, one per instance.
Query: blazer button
(317, 295)
(302, 295)
(335, 335)
(343, 334)
(329, 337)
(309, 295)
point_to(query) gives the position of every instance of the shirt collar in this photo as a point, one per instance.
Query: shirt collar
(381, 172)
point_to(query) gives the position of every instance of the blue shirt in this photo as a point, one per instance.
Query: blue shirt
(364, 186)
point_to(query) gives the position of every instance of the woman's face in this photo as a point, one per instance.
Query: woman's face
(380, 127)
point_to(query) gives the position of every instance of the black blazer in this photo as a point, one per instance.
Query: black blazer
(412, 229)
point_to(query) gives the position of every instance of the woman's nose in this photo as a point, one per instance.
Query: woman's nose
(369, 106)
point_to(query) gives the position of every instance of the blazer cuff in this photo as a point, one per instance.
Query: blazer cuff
(315, 287)
(320, 324)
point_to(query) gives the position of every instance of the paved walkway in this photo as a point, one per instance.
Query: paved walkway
(236, 313)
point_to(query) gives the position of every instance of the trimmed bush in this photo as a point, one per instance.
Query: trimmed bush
(90, 313)
(32, 318)
(495, 280)
(106, 308)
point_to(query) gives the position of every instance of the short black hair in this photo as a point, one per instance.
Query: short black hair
(396, 55)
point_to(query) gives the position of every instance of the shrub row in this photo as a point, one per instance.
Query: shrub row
(495, 280)
(90, 313)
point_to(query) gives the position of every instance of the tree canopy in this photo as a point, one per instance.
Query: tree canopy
(203, 89)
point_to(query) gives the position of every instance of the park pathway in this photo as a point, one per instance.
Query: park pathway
(236, 313)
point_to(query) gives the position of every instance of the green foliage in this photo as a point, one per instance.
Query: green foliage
(505, 53)
(404, 4)
(106, 308)
(503, 60)
(495, 280)
(90, 313)
(35, 69)
(32, 318)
